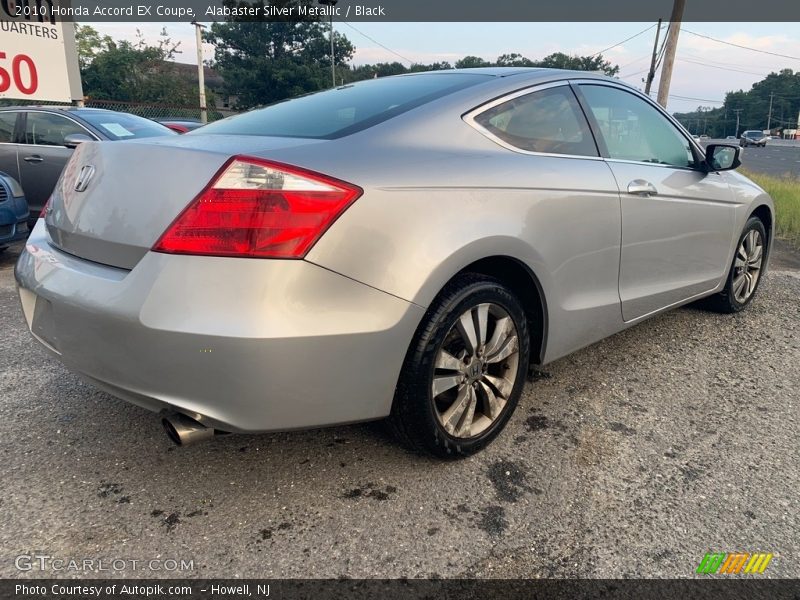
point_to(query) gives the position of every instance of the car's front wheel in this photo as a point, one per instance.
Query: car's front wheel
(465, 370)
(745, 273)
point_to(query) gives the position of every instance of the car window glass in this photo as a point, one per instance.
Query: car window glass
(7, 122)
(635, 130)
(124, 126)
(47, 129)
(345, 110)
(548, 121)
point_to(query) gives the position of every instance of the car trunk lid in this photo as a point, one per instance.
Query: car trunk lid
(115, 199)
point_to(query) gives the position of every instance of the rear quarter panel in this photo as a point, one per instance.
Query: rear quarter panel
(434, 206)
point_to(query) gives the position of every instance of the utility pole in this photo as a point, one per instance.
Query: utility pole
(769, 116)
(201, 75)
(670, 50)
(331, 4)
(652, 73)
(738, 112)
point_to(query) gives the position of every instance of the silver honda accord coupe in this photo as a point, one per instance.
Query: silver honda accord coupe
(405, 247)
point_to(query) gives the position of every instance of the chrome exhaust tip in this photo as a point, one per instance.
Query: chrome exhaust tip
(183, 430)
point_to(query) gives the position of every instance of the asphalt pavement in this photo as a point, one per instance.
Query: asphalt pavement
(631, 458)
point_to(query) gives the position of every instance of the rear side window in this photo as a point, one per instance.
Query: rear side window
(549, 121)
(7, 122)
(345, 110)
(47, 129)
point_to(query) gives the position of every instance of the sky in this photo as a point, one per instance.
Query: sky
(704, 69)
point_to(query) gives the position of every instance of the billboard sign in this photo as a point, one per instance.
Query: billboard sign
(38, 56)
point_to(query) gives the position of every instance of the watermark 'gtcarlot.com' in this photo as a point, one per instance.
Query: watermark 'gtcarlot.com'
(39, 561)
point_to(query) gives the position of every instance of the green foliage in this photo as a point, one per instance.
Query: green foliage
(785, 191)
(471, 62)
(90, 43)
(131, 72)
(559, 60)
(754, 105)
(267, 61)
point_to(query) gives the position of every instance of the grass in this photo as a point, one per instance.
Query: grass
(785, 191)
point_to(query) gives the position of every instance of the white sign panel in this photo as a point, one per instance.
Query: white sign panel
(38, 59)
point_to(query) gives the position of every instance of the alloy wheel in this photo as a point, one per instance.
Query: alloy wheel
(475, 370)
(747, 266)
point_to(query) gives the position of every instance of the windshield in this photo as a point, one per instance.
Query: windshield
(345, 110)
(124, 126)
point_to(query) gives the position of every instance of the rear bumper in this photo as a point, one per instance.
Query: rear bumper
(244, 345)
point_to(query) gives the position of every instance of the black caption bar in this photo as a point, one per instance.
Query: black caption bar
(399, 589)
(400, 10)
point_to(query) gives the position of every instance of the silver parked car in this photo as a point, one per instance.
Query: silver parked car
(403, 247)
(37, 141)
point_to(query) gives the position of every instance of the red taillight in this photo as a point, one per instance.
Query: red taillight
(259, 209)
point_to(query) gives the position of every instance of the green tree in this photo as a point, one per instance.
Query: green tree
(90, 43)
(753, 107)
(266, 61)
(514, 60)
(134, 72)
(470, 62)
(559, 60)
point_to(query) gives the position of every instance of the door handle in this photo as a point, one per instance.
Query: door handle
(640, 187)
(35, 158)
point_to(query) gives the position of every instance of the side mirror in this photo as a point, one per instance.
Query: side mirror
(722, 157)
(73, 139)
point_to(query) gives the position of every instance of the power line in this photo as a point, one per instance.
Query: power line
(696, 99)
(708, 37)
(697, 62)
(663, 46)
(625, 66)
(623, 41)
(373, 40)
(633, 74)
(720, 62)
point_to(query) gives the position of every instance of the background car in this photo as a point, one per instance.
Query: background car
(753, 137)
(730, 137)
(180, 125)
(13, 211)
(37, 141)
(402, 247)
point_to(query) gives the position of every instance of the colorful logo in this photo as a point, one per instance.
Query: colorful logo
(734, 563)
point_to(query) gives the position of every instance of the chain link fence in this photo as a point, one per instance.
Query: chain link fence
(142, 109)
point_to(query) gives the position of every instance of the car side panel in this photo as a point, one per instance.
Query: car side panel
(558, 215)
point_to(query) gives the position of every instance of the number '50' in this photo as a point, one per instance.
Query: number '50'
(16, 75)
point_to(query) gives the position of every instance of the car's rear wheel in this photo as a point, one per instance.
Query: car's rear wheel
(465, 370)
(745, 273)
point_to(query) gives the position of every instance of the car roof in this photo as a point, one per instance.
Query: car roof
(55, 108)
(533, 72)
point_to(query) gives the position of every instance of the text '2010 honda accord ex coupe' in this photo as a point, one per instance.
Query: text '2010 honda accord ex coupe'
(403, 247)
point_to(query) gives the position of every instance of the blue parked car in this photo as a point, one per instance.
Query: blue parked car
(13, 211)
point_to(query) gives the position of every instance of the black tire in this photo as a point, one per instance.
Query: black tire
(726, 301)
(414, 418)
(31, 225)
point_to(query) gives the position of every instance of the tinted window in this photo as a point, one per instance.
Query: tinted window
(47, 129)
(7, 122)
(635, 130)
(345, 110)
(546, 121)
(124, 126)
